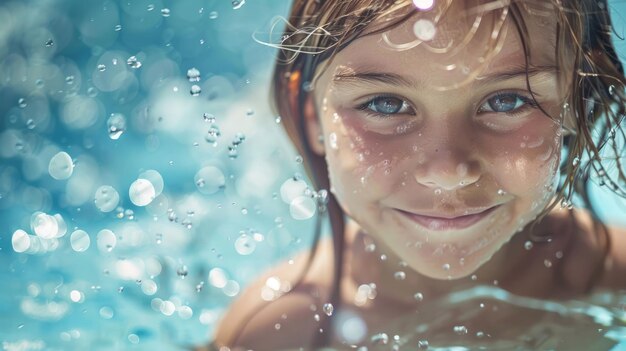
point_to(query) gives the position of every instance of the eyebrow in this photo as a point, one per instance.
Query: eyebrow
(387, 78)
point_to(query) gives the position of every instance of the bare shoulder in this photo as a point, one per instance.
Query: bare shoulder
(596, 253)
(272, 313)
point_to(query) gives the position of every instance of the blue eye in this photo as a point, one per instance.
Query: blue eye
(505, 103)
(386, 105)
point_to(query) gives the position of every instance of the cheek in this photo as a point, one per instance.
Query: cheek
(526, 161)
(360, 163)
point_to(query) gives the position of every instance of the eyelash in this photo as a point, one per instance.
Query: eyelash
(527, 103)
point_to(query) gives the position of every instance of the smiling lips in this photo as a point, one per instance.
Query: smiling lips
(448, 223)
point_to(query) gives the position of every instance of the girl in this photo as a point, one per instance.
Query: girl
(447, 134)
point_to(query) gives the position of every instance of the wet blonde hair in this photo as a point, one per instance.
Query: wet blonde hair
(317, 29)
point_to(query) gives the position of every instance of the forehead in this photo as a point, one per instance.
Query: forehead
(455, 39)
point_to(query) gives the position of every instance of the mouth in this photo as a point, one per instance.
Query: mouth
(443, 223)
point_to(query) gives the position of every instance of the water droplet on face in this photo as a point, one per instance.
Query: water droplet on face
(133, 62)
(547, 263)
(419, 297)
(328, 309)
(446, 267)
(611, 89)
(116, 124)
(332, 141)
(380, 339)
(528, 245)
(195, 90)
(559, 255)
(501, 192)
(460, 329)
(399, 275)
(237, 4)
(165, 12)
(370, 247)
(424, 29)
(193, 74)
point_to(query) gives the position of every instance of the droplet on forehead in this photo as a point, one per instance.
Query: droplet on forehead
(423, 4)
(424, 29)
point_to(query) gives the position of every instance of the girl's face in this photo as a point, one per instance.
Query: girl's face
(437, 150)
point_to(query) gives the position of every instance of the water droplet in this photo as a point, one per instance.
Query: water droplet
(185, 312)
(237, 4)
(380, 339)
(277, 119)
(141, 192)
(422, 344)
(182, 271)
(547, 263)
(106, 240)
(302, 208)
(419, 297)
(399, 275)
(195, 90)
(460, 329)
(559, 255)
(79, 240)
(249, 112)
(328, 309)
(118, 27)
(611, 89)
(39, 83)
(446, 267)
(21, 102)
(106, 198)
(501, 192)
(116, 124)
(61, 166)
(150, 7)
(245, 244)
(370, 247)
(102, 67)
(193, 74)
(20, 241)
(49, 42)
(528, 245)
(133, 62)
(106, 312)
(437, 191)
(332, 141)
(30, 124)
(209, 180)
(165, 12)
(213, 15)
(423, 4)
(424, 29)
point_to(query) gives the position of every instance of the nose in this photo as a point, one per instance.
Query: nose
(448, 170)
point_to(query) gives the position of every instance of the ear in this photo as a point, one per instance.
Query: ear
(313, 128)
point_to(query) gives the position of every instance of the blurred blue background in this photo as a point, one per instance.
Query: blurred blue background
(144, 179)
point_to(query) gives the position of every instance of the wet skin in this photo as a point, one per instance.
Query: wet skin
(426, 142)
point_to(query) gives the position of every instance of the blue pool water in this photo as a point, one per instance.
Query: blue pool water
(144, 179)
